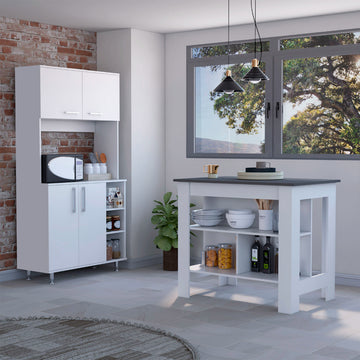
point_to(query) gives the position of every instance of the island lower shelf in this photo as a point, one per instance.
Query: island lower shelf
(257, 276)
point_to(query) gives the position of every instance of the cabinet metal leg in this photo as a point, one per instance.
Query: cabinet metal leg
(116, 266)
(52, 277)
(28, 275)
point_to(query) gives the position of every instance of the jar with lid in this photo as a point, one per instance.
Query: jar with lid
(116, 223)
(109, 249)
(109, 224)
(211, 256)
(116, 254)
(225, 256)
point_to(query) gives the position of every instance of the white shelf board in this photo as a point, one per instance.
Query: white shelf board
(248, 231)
(115, 260)
(115, 232)
(255, 276)
(114, 209)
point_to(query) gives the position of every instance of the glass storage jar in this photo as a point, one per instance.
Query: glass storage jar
(115, 222)
(116, 254)
(225, 256)
(109, 249)
(109, 224)
(211, 256)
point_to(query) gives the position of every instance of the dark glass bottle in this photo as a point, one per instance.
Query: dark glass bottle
(268, 257)
(256, 255)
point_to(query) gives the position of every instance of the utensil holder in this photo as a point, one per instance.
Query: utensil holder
(265, 220)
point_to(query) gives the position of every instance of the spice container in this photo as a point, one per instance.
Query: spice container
(225, 256)
(115, 222)
(116, 254)
(109, 224)
(211, 256)
(109, 249)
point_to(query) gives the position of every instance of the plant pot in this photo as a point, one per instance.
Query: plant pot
(170, 260)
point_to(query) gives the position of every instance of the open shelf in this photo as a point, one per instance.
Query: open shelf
(114, 209)
(115, 260)
(115, 232)
(248, 231)
(256, 276)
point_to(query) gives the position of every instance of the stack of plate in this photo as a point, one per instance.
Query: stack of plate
(240, 219)
(208, 217)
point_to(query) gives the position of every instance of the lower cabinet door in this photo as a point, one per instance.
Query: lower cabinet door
(92, 216)
(63, 227)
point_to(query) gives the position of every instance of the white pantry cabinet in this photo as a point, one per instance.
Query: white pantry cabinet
(76, 225)
(62, 226)
(78, 94)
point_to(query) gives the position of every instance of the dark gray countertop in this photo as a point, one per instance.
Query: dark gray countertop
(282, 182)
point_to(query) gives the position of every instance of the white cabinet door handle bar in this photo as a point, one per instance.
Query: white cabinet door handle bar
(95, 113)
(74, 199)
(83, 197)
(72, 112)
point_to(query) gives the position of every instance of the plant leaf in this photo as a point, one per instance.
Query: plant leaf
(163, 243)
(167, 197)
(174, 243)
(168, 232)
(157, 219)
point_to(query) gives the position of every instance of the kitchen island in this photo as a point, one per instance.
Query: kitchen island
(295, 206)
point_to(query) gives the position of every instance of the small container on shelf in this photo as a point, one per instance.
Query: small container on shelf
(116, 223)
(116, 254)
(211, 256)
(225, 256)
(109, 250)
(109, 223)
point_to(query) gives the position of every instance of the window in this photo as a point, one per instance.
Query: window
(310, 108)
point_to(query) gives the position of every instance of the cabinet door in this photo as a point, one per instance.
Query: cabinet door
(92, 216)
(61, 93)
(101, 99)
(63, 227)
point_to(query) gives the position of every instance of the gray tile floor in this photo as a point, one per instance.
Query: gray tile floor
(220, 328)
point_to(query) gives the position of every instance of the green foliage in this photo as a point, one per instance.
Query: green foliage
(165, 219)
(329, 125)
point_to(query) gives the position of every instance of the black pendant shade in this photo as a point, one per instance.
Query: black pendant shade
(228, 85)
(255, 75)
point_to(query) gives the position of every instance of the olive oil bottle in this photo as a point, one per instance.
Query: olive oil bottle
(268, 257)
(256, 255)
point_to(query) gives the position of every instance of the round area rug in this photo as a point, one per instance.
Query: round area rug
(88, 339)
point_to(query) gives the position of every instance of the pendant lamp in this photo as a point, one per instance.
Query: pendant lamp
(228, 85)
(255, 75)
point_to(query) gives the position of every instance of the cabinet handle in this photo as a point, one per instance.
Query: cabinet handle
(95, 113)
(72, 112)
(74, 199)
(83, 197)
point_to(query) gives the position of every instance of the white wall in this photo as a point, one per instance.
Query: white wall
(177, 165)
(139, 58)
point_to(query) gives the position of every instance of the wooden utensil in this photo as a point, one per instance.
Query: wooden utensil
(103, 158)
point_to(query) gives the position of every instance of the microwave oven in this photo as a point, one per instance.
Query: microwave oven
(57, 168)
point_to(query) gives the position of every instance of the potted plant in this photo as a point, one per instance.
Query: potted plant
(165, 219)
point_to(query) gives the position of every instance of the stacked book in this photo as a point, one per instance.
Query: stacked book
(260, 173)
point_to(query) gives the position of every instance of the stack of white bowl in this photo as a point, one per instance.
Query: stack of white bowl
(240, 219)
(208, 217)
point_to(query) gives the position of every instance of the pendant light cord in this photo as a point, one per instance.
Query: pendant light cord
(228, 34)
(256, 29)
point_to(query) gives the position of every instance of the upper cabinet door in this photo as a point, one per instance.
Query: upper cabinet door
(101, 96)
(61, 93)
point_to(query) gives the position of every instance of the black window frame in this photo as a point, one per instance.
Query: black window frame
(273, 58)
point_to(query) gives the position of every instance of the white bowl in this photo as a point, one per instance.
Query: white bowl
(239, 216)
(241, 223)
(240, 212)
(208, 212)
(204, 222)
(208, 217)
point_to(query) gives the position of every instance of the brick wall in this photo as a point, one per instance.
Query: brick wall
(29, 43)
(67, 143)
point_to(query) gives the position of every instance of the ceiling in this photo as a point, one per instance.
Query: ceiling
(165, 16)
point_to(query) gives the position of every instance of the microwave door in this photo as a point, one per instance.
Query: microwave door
(63, 167)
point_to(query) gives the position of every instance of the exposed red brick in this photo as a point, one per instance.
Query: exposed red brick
(9, 263)
(83, 59)
(6, 42)
(9, 96)
(65, 50)
(7, 256)
(6, 49)
(45, 39)
(74, 65)
(23, 22)
(9, 112)
(7, 157)
(7, 149)
(83, 52)
(63, 43)
(10, 202)
(34, 24)
(64, 142)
